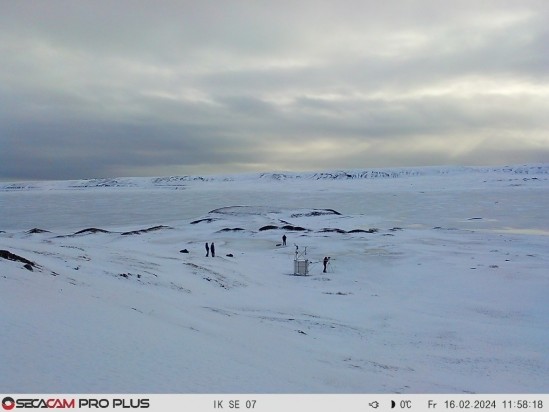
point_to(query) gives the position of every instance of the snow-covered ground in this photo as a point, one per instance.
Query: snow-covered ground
(437, 283)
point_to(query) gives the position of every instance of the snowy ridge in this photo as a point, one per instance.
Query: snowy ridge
(423, 171)
(177, 182)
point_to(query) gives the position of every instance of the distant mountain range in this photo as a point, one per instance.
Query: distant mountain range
(181, 181)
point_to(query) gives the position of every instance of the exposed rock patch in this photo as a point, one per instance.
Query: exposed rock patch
(151, 229)
(36, 230)
(29, 265)
(268, 227)
(90, 230)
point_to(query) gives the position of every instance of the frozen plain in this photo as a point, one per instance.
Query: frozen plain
(448, 293)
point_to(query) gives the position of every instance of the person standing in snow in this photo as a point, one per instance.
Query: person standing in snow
(283, 240)
(207, 250)
(325, 262)
(212, 248)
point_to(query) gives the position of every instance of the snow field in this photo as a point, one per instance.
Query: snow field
(447, 296)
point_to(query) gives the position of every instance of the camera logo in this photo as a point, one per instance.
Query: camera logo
(8, 403)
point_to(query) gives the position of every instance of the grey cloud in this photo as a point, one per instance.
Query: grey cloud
(101, 88)
(64, 150)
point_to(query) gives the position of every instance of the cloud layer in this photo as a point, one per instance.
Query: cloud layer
(101, 88)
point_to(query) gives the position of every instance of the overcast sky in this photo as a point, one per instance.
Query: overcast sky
(152, 88)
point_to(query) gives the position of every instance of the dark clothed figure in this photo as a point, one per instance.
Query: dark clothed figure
(325, 262)
(212, 249)
(207, 250)
(284, 240)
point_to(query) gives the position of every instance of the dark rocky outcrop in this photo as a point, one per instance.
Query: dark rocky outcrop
(6, 254)
(335, 230)
(268, 227)
(36, 230)
(207, 220)
(91, 230)
(151, 229)
(294, 228)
